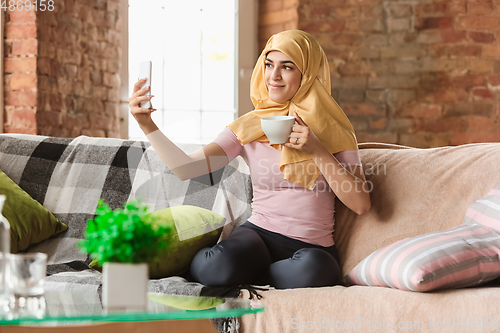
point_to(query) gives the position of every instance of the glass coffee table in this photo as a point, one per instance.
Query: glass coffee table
(63, 308)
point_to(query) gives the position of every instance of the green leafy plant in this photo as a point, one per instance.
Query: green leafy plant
(127, 235)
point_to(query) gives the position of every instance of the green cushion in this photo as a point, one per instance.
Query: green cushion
(187, 302)
(29, 221)
(195, 228)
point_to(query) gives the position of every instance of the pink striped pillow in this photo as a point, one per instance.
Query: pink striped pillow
(464, 256)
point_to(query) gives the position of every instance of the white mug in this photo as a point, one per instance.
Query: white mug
(277, 128)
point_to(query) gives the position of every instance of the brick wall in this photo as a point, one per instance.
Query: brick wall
(276, 16)
(61, 69)
(20, 78)
(424, 73)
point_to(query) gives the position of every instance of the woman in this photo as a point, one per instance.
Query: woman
(288, 241)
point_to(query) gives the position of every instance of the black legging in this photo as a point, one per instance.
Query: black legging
(252, 255)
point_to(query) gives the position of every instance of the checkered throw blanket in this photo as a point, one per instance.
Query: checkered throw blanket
(68, 177)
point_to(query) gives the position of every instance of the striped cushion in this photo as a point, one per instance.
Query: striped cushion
(464, 256)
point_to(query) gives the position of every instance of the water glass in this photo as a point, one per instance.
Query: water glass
(27, 274)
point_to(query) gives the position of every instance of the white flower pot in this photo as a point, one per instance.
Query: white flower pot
(125, 285)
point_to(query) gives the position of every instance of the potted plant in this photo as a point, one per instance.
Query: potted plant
(123, 240)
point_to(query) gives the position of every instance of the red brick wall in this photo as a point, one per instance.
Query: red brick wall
(276, 16)
(20, 78)
(61, 73)
(421, 73)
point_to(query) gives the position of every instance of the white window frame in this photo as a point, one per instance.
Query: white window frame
(247, 47)
(124, 75)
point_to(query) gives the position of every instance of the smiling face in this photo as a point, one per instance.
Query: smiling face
(282, 77)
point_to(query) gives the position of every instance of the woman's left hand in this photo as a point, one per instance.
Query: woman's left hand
(302, 138)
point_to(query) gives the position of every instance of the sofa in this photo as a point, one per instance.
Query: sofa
(413, 192)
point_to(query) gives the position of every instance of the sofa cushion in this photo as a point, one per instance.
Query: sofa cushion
(375, 310)
(29, 221)
(414, 192)
(194, 229)
(463, 256)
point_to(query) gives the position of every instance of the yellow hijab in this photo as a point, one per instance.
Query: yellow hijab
(312, 102)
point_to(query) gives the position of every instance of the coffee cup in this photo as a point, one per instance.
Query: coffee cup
(277, 128)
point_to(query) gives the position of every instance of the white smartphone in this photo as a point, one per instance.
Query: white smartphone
(145, 72)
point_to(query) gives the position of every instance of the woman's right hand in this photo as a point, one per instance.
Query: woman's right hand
(141, 115)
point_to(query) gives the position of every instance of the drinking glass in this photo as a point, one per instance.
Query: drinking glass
(27, 274)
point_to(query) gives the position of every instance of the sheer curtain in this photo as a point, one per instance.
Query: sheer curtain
(192, 45)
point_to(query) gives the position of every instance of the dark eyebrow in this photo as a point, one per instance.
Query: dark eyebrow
(282, 62)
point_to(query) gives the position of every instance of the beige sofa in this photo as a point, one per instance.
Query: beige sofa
(415, 191)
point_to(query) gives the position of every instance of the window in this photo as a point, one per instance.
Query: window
(193, 47)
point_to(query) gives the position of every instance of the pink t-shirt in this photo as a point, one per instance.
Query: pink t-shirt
(280, 205)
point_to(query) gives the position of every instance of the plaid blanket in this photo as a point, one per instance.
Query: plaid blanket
(68, 177)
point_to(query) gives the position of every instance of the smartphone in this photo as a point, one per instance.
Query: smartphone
(145, 72)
